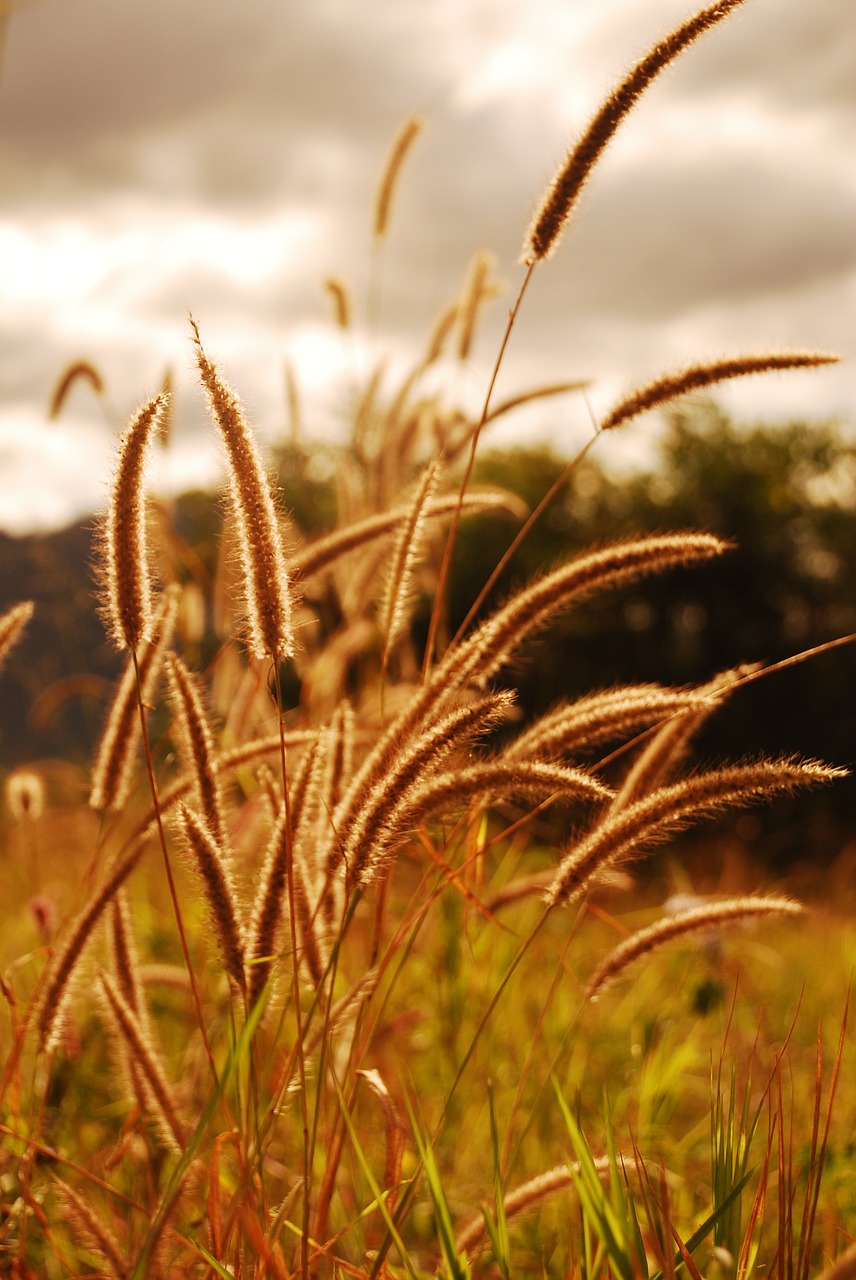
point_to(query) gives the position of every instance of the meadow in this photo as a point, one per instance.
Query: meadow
(336, 963)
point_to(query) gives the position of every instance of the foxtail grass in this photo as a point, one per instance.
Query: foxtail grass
(197, 747)
(269, 628)
(113, 772)
(147, 1063)
(669, 808)
(668, 387)
(127, 577)
(560, 198)
(65, 960)
(709, 916)
(354, 812)
(401, 145)
(211, 865)
(78, 371)
(12, 625)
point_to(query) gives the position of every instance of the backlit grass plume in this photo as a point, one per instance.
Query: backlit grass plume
(212, 867)
(66, 958)
(695, 920)
(269, 629)
(126, 574)
(112, 772)
(630, 831)
(401, 144)
(562, 194)
(196, 744)
(12, 625)
(670, 386)
(159, 1092)
(80, 370)
(356, 1007)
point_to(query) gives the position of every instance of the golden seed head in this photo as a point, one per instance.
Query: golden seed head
(127, 580)
(401, 144)
(25, 795)
(267, 594)
(563, 192)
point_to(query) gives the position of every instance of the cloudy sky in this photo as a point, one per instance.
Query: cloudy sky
(222, 157)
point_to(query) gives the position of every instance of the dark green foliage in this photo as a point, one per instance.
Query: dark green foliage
(786, 496)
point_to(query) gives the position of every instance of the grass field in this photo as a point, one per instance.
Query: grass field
(333, 965)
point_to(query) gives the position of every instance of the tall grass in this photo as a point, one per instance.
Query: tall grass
(320, 1001)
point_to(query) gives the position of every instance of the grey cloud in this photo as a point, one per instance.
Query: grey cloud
(252, 108)
(790, 54)
(797, 54)
(99, 76)
(657, 240)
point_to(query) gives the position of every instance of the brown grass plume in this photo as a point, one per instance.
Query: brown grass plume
(563, 192)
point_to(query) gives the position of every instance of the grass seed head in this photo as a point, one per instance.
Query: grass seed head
(562, 194)
(214, 872)
(670, 386)
(269, 630)
(12, 625)
(401, 144)
(127, 587)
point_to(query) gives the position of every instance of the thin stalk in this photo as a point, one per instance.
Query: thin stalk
(182, 937)
(534, 1044)
(519, 537)
(336, 1142)
(445, 565)
(292, 922)
(407, 1196)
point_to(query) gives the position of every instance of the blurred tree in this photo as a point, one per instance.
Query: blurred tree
(785, 495)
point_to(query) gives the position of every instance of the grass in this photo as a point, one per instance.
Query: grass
(305, 987)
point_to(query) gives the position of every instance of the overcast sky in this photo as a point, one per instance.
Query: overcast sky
(222, 157)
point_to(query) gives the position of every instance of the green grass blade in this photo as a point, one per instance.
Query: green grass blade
(379, 1195)
(707, 1226)
(498, 1231)
(457, 1267)
(237, 1055)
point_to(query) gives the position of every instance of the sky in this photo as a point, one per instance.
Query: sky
(222, 158)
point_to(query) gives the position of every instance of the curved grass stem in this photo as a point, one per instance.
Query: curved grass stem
(445, 565)
(170, 879)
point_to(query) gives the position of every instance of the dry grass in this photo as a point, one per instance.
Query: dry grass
(290, 1081)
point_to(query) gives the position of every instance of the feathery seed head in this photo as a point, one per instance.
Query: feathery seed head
(159, 1092)
(341, 302)
(269, 630)
(672, 385)
(196, 744)
(405, 555)
(112, 772)
(126, 576)
(710, 915)
(491, 645)
(563, 192)
(12, 625)
(268, 908)
(213, 870)
(80, 370)
(65, 959)
(627, 832)
(477, 288)
(401, 144)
